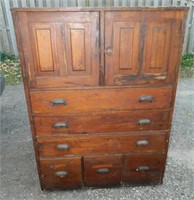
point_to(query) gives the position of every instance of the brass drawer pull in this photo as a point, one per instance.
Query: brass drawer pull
(58, 101)
(142, 143)
(61, 125)
(61, 173)
(146, 99)
(103, 170)
(143, 168)
(144, 122)
(63, 146)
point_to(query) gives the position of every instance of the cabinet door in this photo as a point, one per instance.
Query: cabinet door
(122, 40)
(157, 49)
(141, 47)
(61, 48)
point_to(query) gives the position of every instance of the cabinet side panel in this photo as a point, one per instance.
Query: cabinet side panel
(19, 20)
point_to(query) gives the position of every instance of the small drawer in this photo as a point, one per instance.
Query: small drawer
(102, 122)
(68, 101)
(114, 143)
(61, 173)
(143, 168)
(102, 170)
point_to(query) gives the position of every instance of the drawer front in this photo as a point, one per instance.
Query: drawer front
(61, 173)
(143, 168)
(102, 122)
(102, 144)
(102, 170)
(61, 102)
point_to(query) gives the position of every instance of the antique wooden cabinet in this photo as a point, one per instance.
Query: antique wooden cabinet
(100, 85)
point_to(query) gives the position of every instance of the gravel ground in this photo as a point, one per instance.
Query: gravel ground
(19, 179)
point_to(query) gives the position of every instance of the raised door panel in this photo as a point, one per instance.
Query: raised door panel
(44, 49)
(122, 40)
(157, 49)
(77, 43)
(126, 39)
(162, 49)
(61, 48)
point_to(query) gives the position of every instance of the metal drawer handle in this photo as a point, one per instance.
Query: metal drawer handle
(146, 99)
(58, 101)
(103, 170)
(63, 146)
(61, 173)
(143, 168)
(61, 125)
(144, 122)
(142, 143)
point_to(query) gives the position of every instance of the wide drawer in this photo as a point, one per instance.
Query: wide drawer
(61, 173)
(143, 168)
(68, 101)
(102, 144)
(102, 122)
(102, 170)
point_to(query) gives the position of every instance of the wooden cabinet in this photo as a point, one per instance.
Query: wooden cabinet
(100, 85)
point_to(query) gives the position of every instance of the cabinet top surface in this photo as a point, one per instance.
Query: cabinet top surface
(99, 9)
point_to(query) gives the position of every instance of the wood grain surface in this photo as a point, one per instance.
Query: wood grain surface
(87, 123)
(100, 100)
(102, 143)
(100, 85)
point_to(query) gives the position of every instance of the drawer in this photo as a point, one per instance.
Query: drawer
(102, 170)
(102, 122)
(61, 173)
(61, 102)
(102, 144)
(143, 168)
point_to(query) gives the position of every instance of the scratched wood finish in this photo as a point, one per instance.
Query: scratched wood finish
(99, 100)
(139, 46)
(51, 179)
(87, 123)
(99, 62)
(134, 53)
(102, 144)
(154, 164)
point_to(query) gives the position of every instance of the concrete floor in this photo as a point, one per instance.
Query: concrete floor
(19, 179)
